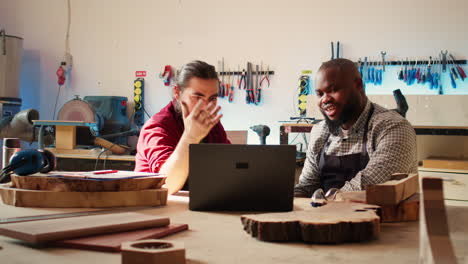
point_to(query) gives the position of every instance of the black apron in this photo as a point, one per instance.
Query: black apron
(336, 170)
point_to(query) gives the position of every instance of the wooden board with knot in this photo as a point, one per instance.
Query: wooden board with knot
(333, 223)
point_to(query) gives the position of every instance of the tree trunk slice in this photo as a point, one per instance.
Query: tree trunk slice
(335, 222)
(42, 182)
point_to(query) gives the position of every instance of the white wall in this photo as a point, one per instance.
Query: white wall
(111, 39)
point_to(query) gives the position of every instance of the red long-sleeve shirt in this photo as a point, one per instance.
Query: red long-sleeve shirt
(160, 135)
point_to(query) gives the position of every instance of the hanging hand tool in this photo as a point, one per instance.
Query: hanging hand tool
(429, 73)
(423, 74)
(460, 70)
(400, 73)
(383, 53)
(222, 79)
(257, 85)
(166, 75)
(360, 68)
(365, 76)
(444, 60)
(452, 81)
(220, 84)
(249, 90)
(453, 70)
(265, 77)
(418, 74)
(337, 50)
(370, 73)
(332, 51)
(231, 91)
(242, 80)
(227, 86)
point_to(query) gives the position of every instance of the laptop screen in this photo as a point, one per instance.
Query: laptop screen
(241, 177)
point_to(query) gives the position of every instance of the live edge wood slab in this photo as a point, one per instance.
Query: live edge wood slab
(335, 222)
(43, 182)
(51, 199)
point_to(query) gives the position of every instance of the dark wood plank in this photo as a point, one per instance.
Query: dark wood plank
(58, 229)
(112, 242)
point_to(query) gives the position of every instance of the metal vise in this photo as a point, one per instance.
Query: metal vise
(262, 131)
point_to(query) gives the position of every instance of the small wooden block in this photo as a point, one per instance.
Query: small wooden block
(43, 182)
(406, 210)
(112, 242)
(65, 137)
(153, 251)
(33, 198)
(392, 192)
(335, 222)
(41, 231)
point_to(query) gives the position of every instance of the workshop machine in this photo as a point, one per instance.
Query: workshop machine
(13, 122)
(108, 114)
(11, 49)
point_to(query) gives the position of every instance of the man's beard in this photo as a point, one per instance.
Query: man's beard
(177, 107)
(350, 111)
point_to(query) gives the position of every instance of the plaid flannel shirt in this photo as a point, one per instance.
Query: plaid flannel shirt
(391, 145)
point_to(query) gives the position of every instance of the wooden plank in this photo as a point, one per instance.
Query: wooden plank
(423, 170)
(87, 154)
(71, 214)
(392, 192)
(58, 229)
(406, 210)
(335, 222)
(65, 137)
(297, 125)
(58, 122)
(435, 243)
(451, 164)
(43, 182)
(34, 198)
(440, 127)
(112, 242)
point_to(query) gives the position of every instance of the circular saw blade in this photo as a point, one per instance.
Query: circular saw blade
(77, 110)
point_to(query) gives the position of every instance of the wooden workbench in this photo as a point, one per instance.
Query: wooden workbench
(87, 162)
(287, 128)
(219, 238)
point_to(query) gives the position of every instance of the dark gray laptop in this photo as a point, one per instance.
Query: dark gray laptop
(226, 177)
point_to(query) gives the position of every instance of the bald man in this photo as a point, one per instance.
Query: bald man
(359, 143)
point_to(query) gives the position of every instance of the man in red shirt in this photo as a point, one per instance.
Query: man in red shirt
(190, 118)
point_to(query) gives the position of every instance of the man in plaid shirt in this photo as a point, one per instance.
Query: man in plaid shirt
(360, 143)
